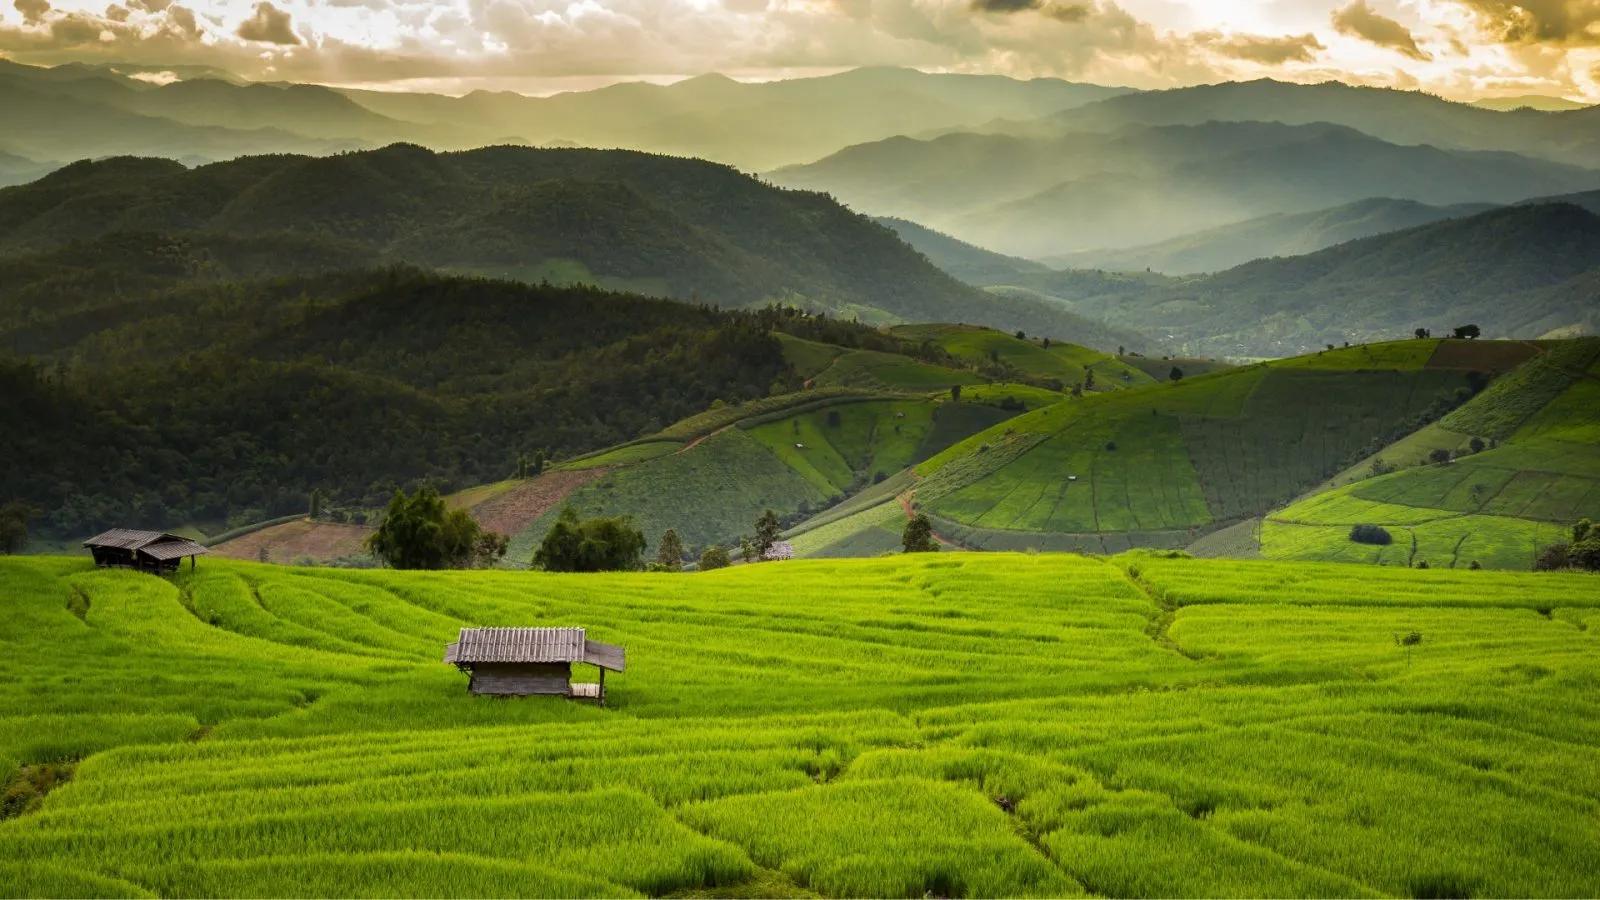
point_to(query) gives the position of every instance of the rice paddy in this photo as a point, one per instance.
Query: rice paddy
(948, 725)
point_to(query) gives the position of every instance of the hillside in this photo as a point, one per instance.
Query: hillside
(229, 404)
(675, 227)
(1279, 234)
(1516, 272)
(208, 115)
(1045, 195)
(101, 114)
(1396, 116)
(1162, 465)
(999, 725)
(1537, 472)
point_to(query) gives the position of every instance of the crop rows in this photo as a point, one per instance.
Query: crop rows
(953, 724)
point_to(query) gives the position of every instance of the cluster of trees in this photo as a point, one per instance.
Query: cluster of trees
(1371, 534)
(599, 544)
(1582, 552)
(420, 532)
(1460, 332)
(355, 384)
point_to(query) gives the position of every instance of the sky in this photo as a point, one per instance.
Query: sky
(1461, 49)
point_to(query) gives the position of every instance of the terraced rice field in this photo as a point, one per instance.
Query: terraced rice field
(1162, 463)
(1497, 508)
(950, 725)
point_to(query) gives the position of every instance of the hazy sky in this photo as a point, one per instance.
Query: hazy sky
(1458, 48)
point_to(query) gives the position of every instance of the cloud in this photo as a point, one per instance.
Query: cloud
(1266, 50)
(1361, 21)
(1559, 22)
(32, 10)
(1061, 12)
(268, 25)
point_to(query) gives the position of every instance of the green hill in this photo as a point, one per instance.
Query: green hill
(1064, 365)
(676, 227)
(1280, 234)
(1164, 464)
(1537, 472)
(960, 725)
(1522, 271)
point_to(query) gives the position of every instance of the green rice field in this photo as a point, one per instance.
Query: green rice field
(952, 724)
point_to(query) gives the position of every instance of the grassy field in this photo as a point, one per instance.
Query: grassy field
(950, 725)
(1163, 464)
(1498, 507)
(1067, 363)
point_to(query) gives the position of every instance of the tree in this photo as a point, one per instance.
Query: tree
(600, 544)
(537, 466)
(1422, 333)
(14, 518)
(1467, 332)
(1088, 379)
(418, 532)
(1476, 445)
(1582, 530)
(1371, 534)
(316, 503)
(955, 392)
(714, 557)
(1047, 343)
(670, 554)
(917, 537)
(1121, 350)
(1020, 335)
(767, 529)
(1175, 375)
(1439, 456)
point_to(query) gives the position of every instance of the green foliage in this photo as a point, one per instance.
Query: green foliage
(670, 553)
(419, 532)
(1371, 534)
(14, 517)
(767, 531)
(599, 544)
(918, 536)
(714, 557)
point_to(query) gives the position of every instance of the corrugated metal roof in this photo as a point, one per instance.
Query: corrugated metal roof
(532, 645)
(172, 549)
(155, 544)
(125, 538)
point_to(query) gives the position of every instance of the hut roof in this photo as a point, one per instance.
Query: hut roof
(532, 645)
(156, 544)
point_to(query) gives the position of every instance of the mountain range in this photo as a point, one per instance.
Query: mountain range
(1046, 196)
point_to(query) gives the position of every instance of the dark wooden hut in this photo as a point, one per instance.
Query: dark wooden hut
(147, 551)
(523, 661)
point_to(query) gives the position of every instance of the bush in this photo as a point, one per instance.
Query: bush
(918, 535)
(714, 558)
(601, 544)
(1371, 534)
(418, 532)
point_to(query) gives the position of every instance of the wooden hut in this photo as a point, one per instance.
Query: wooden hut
(523, 661)
(147, 551)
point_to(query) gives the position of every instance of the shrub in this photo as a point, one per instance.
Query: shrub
(601, 544)
(714, 558)
(1371, 534)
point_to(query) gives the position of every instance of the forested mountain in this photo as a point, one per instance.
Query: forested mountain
(660, 225)
(75, 111)
(1401, 117)
(1048, 195)
(230, 402)
(1519, 271)
(1279, 234)
(88, 113)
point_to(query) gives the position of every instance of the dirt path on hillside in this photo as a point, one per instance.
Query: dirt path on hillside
(905, 506)
(513, 511)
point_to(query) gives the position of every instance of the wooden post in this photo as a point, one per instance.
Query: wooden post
(602, 686)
